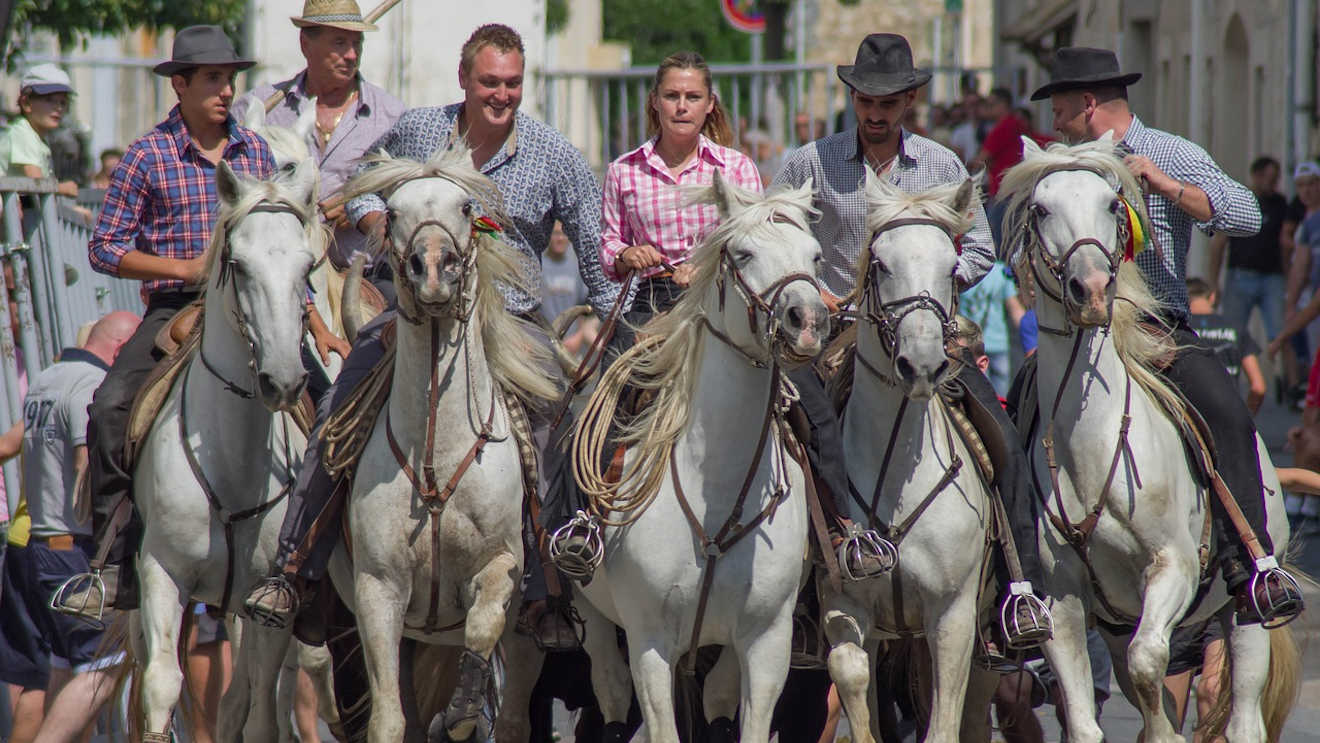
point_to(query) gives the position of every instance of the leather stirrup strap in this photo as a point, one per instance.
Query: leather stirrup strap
(119, 519)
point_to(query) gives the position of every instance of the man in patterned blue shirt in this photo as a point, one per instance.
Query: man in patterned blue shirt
(542, 178)
(1184, 188)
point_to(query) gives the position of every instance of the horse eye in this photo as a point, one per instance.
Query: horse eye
(467, 209)
(1039, 211)
(1114, 206)
(289, 168)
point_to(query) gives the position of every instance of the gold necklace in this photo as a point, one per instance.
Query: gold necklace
(326, 134)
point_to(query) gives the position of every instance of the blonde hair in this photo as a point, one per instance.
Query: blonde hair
(716, 125)
(517, 360)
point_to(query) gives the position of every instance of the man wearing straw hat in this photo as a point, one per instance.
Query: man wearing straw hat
(351, 113)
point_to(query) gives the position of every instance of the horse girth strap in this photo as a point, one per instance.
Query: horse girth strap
(732, 531)
(227, 518)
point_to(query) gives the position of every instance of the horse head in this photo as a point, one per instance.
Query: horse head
(289, 145)
(1072, 213)
(266, 243)
(907, 287)
(763, 266)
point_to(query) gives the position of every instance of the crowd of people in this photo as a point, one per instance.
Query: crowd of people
(159, 213)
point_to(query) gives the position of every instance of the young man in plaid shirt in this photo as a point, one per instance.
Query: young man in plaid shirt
(154, 226)
(1185, 188)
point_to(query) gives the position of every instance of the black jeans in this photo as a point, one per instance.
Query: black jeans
(108, 427)
(654, 296)
(1203, 380)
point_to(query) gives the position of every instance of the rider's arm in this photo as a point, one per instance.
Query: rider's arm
(360, 206)
(978, 246)
(1218, 203)
(1218, 246)
(1255, 382)
(615, 233)
(112, 249)
(576, 203)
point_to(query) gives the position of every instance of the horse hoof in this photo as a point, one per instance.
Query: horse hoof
(615, 732)
(722, 730)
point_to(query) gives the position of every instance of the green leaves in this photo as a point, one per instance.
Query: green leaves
(657, 28)
(69, 19)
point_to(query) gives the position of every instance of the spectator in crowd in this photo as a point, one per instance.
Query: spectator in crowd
(207, 669)
(1304, 273)
(992, 304)
(765, 152)
(55, 418)
(109, 161)
(940, 124)
(962, 138)
(806, 129)
(1255, 263)
(24, 657)
(1226, 339)
(562, 288)
(1001, 150)
(912, 122)
(43, 99)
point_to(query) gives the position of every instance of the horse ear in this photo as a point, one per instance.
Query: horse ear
(1030, 148)
(962, 199)
(305, 181)
(722, 196)
(227, 185)
(1108, 136)
(254, 117)
(306, 120)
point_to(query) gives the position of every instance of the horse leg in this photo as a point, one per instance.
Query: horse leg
(521, 670)
(950, 633)
(493, 589)
(610, 678)
(763, 661)
(653, 677)
(1067, 655)
(1249, 661)
(161, 613)
(849, 662)
(1168, 593)
(380, 605)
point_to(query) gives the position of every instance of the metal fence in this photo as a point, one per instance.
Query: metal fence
(50, 289)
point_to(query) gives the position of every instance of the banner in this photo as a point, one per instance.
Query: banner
(743, 15)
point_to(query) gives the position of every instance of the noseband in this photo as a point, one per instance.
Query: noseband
(228, 275)
(461, 310)
(886, 316)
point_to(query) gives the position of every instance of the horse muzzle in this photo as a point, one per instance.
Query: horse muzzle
(280, 394)
(436, 276)
(804, 326)
(1088, 295)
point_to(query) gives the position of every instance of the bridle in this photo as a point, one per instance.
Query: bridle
(229, 275)
(460, 310)
(885, 317)
(1034, 243)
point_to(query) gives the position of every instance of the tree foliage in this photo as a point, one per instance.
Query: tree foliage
(68, 19)
(656, 28)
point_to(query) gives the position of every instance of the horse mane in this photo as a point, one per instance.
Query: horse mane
(517, 360)
(886, 202)
(666, 359)
(1135, 309)
(269, 191)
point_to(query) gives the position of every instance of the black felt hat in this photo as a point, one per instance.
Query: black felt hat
(195, 46)
(1082, 67)
(883, 67)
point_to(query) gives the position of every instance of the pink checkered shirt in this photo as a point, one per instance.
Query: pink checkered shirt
(642, 203)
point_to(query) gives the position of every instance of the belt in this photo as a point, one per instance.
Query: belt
(57, 542)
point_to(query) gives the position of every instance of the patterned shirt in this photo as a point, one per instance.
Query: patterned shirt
(542, 177)
(365, 121)
(643, 202)
(1233, 208)
(836, 166)
(162, 198)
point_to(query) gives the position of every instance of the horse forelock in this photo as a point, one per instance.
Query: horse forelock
(886, 203)
(257, 192)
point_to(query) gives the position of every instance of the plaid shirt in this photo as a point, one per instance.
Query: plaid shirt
(162, 198)
(643, 202)
(1234, 210)
(836, 166)
(542, 178)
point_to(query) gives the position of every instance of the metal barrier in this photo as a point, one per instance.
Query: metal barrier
(54, 290)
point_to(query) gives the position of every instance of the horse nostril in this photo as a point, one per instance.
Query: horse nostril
(1077, 290)
(415, 265)
(795, 318)
(905, 369)
(265, 384)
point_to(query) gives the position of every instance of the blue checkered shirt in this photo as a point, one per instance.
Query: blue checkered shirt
(1234, 210)
(542, 178)
(837, 168)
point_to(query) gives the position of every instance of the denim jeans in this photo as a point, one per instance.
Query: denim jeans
(1247, 289)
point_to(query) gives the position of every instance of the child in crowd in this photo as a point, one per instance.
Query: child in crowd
(1230, 343)
(43, 99)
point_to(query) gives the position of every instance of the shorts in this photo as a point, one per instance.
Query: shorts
(1187, 646)
(209, 629)
(24, 653)
(74, 644)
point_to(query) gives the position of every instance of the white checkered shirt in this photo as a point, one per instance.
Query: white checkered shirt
(1234, 210)
(838, 170)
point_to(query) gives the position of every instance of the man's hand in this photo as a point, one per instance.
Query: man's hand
(1141, 167)
(831, 301)
(325, 340)
(191, 270)
(334, 211)
(683, 274)
(640, 257)
(68, 188)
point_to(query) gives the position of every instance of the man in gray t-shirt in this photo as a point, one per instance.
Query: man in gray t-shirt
(55, 454)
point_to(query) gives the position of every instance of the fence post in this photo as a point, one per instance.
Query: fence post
(38, 356)
(10, 404)
(64, 330)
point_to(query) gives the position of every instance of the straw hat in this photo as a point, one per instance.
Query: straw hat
(343, 14)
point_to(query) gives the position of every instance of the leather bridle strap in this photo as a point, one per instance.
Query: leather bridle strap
(595, 355)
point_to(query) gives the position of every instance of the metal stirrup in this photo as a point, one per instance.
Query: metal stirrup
(861, 544)
(1021, 600)
(1269, 572)
(272, 591)
(87, 584)
(578, 548)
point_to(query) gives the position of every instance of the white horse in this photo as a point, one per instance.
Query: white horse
(1095, 366)
(435, 512)
(912, 476)
(710, 523)
(221, 454)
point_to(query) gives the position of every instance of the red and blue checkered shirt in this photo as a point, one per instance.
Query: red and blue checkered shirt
(162, 196)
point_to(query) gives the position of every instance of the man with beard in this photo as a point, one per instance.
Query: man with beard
(882, 87)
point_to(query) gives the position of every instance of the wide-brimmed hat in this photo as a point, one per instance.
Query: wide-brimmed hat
(343, 14)
(195, 46)
(44, 79)
(883, 67)
(1082, 67)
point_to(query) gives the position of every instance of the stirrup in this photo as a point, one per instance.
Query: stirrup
(1267, 576)
(807, 648)
(74, 598)
(577, 548)
(156, 738)
(273, 603)
(1025, 619)
(863, 545)
(565, 617)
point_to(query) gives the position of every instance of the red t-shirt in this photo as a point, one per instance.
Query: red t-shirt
(1003, 148)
